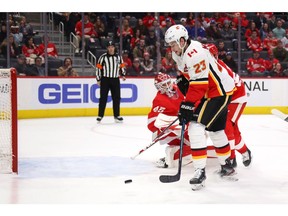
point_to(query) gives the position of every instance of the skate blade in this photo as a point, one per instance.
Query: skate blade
(196, 187)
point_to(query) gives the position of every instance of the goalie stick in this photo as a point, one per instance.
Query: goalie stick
(155, 140)
(280, 114)
(174, 178)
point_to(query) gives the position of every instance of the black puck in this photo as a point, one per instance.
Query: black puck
(128, 181)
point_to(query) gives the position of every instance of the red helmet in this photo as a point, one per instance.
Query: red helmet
(163, 83)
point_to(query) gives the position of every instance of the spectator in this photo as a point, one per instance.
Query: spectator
(127, 61)
(136, 38)
(278, 31)
(25, 28)
(168, 23)
(70, 24)
(285, 40)
(227, 32)
(277, 71)
(204, 20)
(136, 69)
(272, 22)
(51, 48)
(18, 36)
(250, 30)
(264, 31)
(148, 20)
(256, 65)
(230, 62)
(201, 33)
(21, 66)
(141, 27)
(158, 31)
(270, 42)
(254, 42)
(222, 50)
(164, 19)
(213, 32)
(235, 19)
(260, 20)
(89, 32)
(127, 34)
(280, 52)
(30, 50)
(168, 64)
(37, 69)
(3, 32)
(147, 63)
(151, 41)
(67, 70)
(138, 51)
(190, 20)
(13, 47)
(271, 61)
(100, 27)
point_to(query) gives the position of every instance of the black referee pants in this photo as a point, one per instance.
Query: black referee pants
(112, 84)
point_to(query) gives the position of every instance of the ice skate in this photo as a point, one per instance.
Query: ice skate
(161, 163)
(247, 158)
(227, 171)
(233, 162)
(198, 180)
(118, 119)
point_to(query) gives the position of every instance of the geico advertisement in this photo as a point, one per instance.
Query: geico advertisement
(52, 93)
(45, 93)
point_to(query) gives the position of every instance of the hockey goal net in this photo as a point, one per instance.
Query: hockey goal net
(8, 121)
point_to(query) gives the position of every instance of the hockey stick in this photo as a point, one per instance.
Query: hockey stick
(174, 178)
(280, 114)
(155, 140)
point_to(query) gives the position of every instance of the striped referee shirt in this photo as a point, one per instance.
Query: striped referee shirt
(110, 66)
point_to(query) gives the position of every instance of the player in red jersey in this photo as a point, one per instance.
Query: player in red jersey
(235, 110)
(164, 110)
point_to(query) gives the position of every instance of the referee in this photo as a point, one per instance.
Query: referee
(108, 70)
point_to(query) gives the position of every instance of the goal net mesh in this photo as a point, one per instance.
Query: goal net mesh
(5, 121)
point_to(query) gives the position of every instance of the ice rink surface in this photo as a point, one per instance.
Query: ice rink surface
(71, 161)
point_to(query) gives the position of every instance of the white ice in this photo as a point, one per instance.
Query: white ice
(77, 161)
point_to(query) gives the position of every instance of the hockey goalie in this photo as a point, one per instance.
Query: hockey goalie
(164, 111)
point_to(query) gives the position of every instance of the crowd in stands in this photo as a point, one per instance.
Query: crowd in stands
(263, 39)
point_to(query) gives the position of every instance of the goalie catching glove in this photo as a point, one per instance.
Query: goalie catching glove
(186, 111)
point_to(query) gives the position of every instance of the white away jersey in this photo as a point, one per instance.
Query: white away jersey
(207, 78)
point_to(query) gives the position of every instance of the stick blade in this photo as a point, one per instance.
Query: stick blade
(280, 114)
(169, 178)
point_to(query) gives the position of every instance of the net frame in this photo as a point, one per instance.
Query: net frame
(10, 119)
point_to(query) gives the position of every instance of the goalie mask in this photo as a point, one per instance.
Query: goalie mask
(164, 84)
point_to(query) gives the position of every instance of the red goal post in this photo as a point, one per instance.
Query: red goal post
(8, 121)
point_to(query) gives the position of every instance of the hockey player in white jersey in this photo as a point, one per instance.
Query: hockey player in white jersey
(205, 106)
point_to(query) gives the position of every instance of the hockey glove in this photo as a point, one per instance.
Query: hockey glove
(183, 84)
(185, 113)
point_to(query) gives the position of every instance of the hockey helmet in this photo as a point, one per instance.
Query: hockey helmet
(175, 32)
